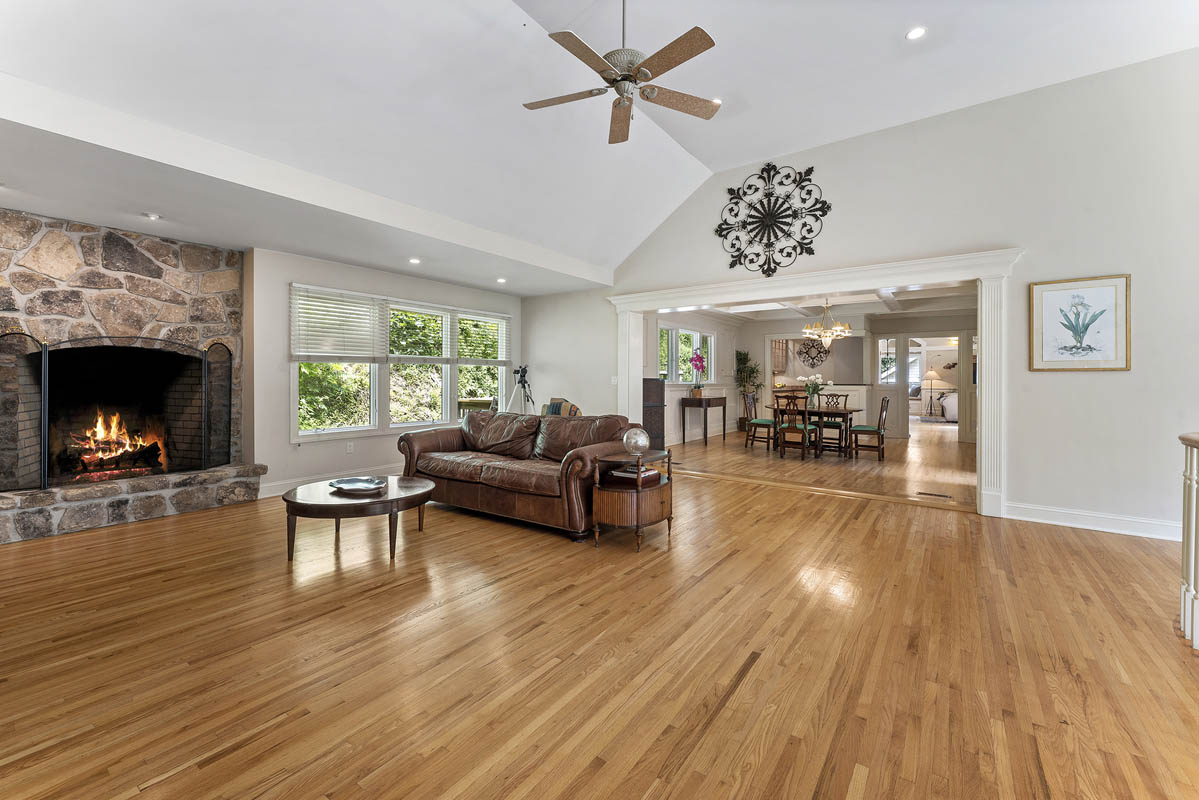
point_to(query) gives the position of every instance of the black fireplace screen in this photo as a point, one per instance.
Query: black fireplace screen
(98, 409)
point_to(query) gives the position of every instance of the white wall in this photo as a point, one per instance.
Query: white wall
(569, 344)
(268, 406)
(1092, 177)
(845, 361)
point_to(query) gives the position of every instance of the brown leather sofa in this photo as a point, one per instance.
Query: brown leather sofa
(538, 469)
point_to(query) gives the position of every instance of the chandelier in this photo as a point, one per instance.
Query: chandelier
(828, 329)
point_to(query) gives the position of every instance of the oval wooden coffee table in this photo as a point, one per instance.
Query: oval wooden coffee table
(322, 501)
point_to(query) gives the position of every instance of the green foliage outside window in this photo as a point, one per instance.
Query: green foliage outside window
(415, 389)
(664, 353)
(334, 395)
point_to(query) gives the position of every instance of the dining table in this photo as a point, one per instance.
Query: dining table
(845, 415)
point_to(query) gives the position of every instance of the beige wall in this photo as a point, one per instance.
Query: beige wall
(269, 407)
(1092, 177)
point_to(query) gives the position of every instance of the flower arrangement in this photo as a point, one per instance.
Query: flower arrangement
(698, 367)
(814, 384)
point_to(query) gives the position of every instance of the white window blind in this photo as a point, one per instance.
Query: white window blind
(327, 325)
(418, 335)
(481, 341)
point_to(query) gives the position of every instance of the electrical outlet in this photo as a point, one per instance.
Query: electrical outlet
(615, 380)
(349, 447)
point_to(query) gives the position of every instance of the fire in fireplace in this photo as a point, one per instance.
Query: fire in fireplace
(97, 410)
(108, 447)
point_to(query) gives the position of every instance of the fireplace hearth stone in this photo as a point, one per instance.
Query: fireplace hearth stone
(36, 514)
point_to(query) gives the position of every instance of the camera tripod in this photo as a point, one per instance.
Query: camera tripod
(525, 391)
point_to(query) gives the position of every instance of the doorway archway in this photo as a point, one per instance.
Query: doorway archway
(990, 269)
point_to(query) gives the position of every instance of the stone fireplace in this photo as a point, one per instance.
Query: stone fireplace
(120, 377)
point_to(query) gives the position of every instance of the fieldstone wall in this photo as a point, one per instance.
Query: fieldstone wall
(65, 280)
(36, 514)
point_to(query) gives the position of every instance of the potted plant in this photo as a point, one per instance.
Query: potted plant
(749, 378)
(698, 366)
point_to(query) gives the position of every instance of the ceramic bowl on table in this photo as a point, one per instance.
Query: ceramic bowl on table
(361, 485)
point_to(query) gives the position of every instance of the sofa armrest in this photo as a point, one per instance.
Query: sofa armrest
(437, 440)
(578, 473)
(580, 462)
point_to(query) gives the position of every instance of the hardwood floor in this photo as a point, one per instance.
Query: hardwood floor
(785, 645)
(931, 465)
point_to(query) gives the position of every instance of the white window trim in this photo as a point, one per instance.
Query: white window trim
(674, 376)
(381, 424)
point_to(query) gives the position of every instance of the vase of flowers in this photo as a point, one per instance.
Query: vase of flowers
(813, 385)
(698, 366)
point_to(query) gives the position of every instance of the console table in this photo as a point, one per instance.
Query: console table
(705, 403)
(1189, 600)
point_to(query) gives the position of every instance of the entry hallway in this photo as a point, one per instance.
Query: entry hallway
(784, 645)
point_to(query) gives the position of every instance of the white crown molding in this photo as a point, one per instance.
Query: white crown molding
(941, 269)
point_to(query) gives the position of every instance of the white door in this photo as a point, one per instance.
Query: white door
(890, 380)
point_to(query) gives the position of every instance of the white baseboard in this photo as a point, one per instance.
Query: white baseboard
(276, 488)
(1109, 523)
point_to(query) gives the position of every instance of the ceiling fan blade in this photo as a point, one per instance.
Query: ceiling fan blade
(680, 101)
(579, 49)
(566, 98)
(621, 115)
(687, 46)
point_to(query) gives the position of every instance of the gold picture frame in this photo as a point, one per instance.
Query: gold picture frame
(1080, 324)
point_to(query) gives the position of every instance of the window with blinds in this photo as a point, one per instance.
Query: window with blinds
(441, 361)
(335, 326)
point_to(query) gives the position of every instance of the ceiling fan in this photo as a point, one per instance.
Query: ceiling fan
(627, 70)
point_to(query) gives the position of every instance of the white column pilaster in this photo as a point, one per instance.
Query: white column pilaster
(992, 413)
(630, 356)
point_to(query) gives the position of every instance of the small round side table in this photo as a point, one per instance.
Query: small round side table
(635, 505)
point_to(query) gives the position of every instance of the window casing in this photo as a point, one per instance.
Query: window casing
(675, 348)
(426, 364)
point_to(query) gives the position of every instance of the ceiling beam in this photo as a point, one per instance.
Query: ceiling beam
(803, 311)
(887, 297)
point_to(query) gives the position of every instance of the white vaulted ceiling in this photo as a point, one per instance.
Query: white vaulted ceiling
(357, 129)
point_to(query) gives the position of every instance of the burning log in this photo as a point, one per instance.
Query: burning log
(107, 446)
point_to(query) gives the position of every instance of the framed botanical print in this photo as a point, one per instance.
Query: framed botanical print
(1078, 324)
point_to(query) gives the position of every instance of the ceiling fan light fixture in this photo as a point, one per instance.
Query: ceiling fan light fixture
(624, 68)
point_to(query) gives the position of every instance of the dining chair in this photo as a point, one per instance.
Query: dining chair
(794, 420)
(754, 423)
(877, 431)
(836, 424)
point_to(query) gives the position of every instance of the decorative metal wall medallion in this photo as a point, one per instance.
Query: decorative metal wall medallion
(772, 219)
(812, 352)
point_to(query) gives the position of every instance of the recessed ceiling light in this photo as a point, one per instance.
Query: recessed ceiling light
(916, 33)
(501, 280)
(414, 261)
(151, 215)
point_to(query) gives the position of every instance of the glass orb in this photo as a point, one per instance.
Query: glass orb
(636, 440)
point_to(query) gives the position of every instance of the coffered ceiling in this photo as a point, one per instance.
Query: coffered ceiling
(360, 129)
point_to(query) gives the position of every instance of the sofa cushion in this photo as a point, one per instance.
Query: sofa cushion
(559, 435)
(530, 476)
(462, 465)
(500, 432)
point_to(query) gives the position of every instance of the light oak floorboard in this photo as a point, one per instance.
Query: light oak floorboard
(781, 645)
(932, 464)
